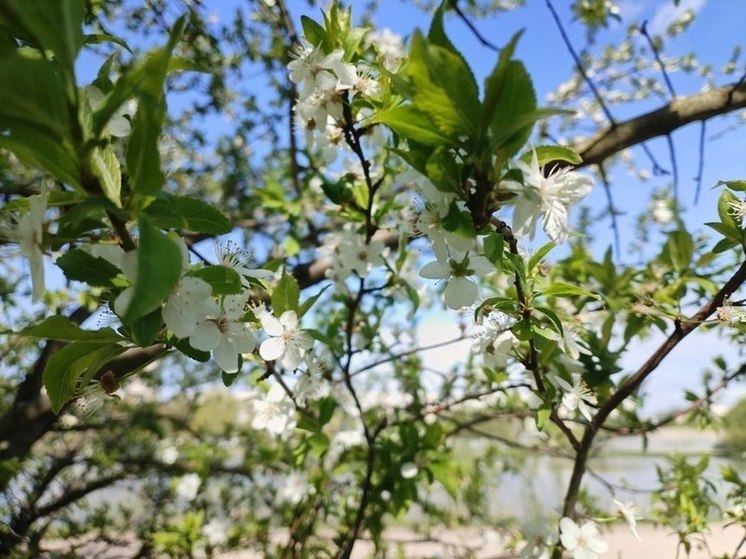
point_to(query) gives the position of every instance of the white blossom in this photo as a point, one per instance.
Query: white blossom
(582, 541)
(548, 198)
(577, 396)
(188, 486)
(461, 291)
(630, 513)
(189, 304)
(224, 334)
(660, 211)
(231, 256)
(275, 412)
(287, 343)
(293, 488)
(216, 531)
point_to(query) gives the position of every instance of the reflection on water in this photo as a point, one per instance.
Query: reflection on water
(538, 487)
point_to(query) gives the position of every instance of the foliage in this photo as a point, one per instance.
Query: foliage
(277, 395)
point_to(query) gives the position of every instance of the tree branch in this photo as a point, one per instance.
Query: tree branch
(674, 115)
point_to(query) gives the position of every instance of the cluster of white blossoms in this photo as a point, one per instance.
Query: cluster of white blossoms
(217, 324)
(351, 254)
(323, 80)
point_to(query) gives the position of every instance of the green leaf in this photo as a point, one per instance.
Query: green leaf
(79, 265)
(35, 116)
(163, 214)
(143, 157)
(63, 329)
(285, 295)
(539, 255)
(542, 416)
(308, 303)
(725, 209)
(440, 88)
(726, 231)
(98, 38)
(326, 409)
(562, 289)
(443, 171)
(76, 361)
(200, 216)
(550, 154)
(105, 166)
(459, 222)
(228, 378)
(314, 33)
(158, 271)
(411, 123)
(738, 186)
(55, 199)
(144, 330)
(515, 111)
(437, 36)
(495, 82)
(223, 280)
(195, 354)
(494, 246)
(56, 25)
(681, 249)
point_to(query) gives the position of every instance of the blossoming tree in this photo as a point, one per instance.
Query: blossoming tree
(380, 182)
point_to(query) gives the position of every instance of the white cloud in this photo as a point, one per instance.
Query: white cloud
(667, 13)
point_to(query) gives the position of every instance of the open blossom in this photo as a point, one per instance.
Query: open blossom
(731, 313)
(294, 488)
(232, 257)
(430, 222)
(630, 513)
(29, 234)
(275, 412)
(577, 396)
(189, 304)
(287, 343)
(461, 291)
(582, 541)
(548, 198)
(224, 334)
(317, 71)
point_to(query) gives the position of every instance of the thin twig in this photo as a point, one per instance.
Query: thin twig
(472, 27)
(612, 210)
(579, 64)
(674, 167)
(701, 166)
(656, 54)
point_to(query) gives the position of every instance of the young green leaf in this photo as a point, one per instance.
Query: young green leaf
(143, 157)
(63, 329)
(71, 364)
(285, 295)
(79, 265)
(158, 271)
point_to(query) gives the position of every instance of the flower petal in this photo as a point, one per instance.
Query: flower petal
(205, 337)
(272, 349)
(271, 325)
(460, 292)
(226, 357)
(435, 270)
